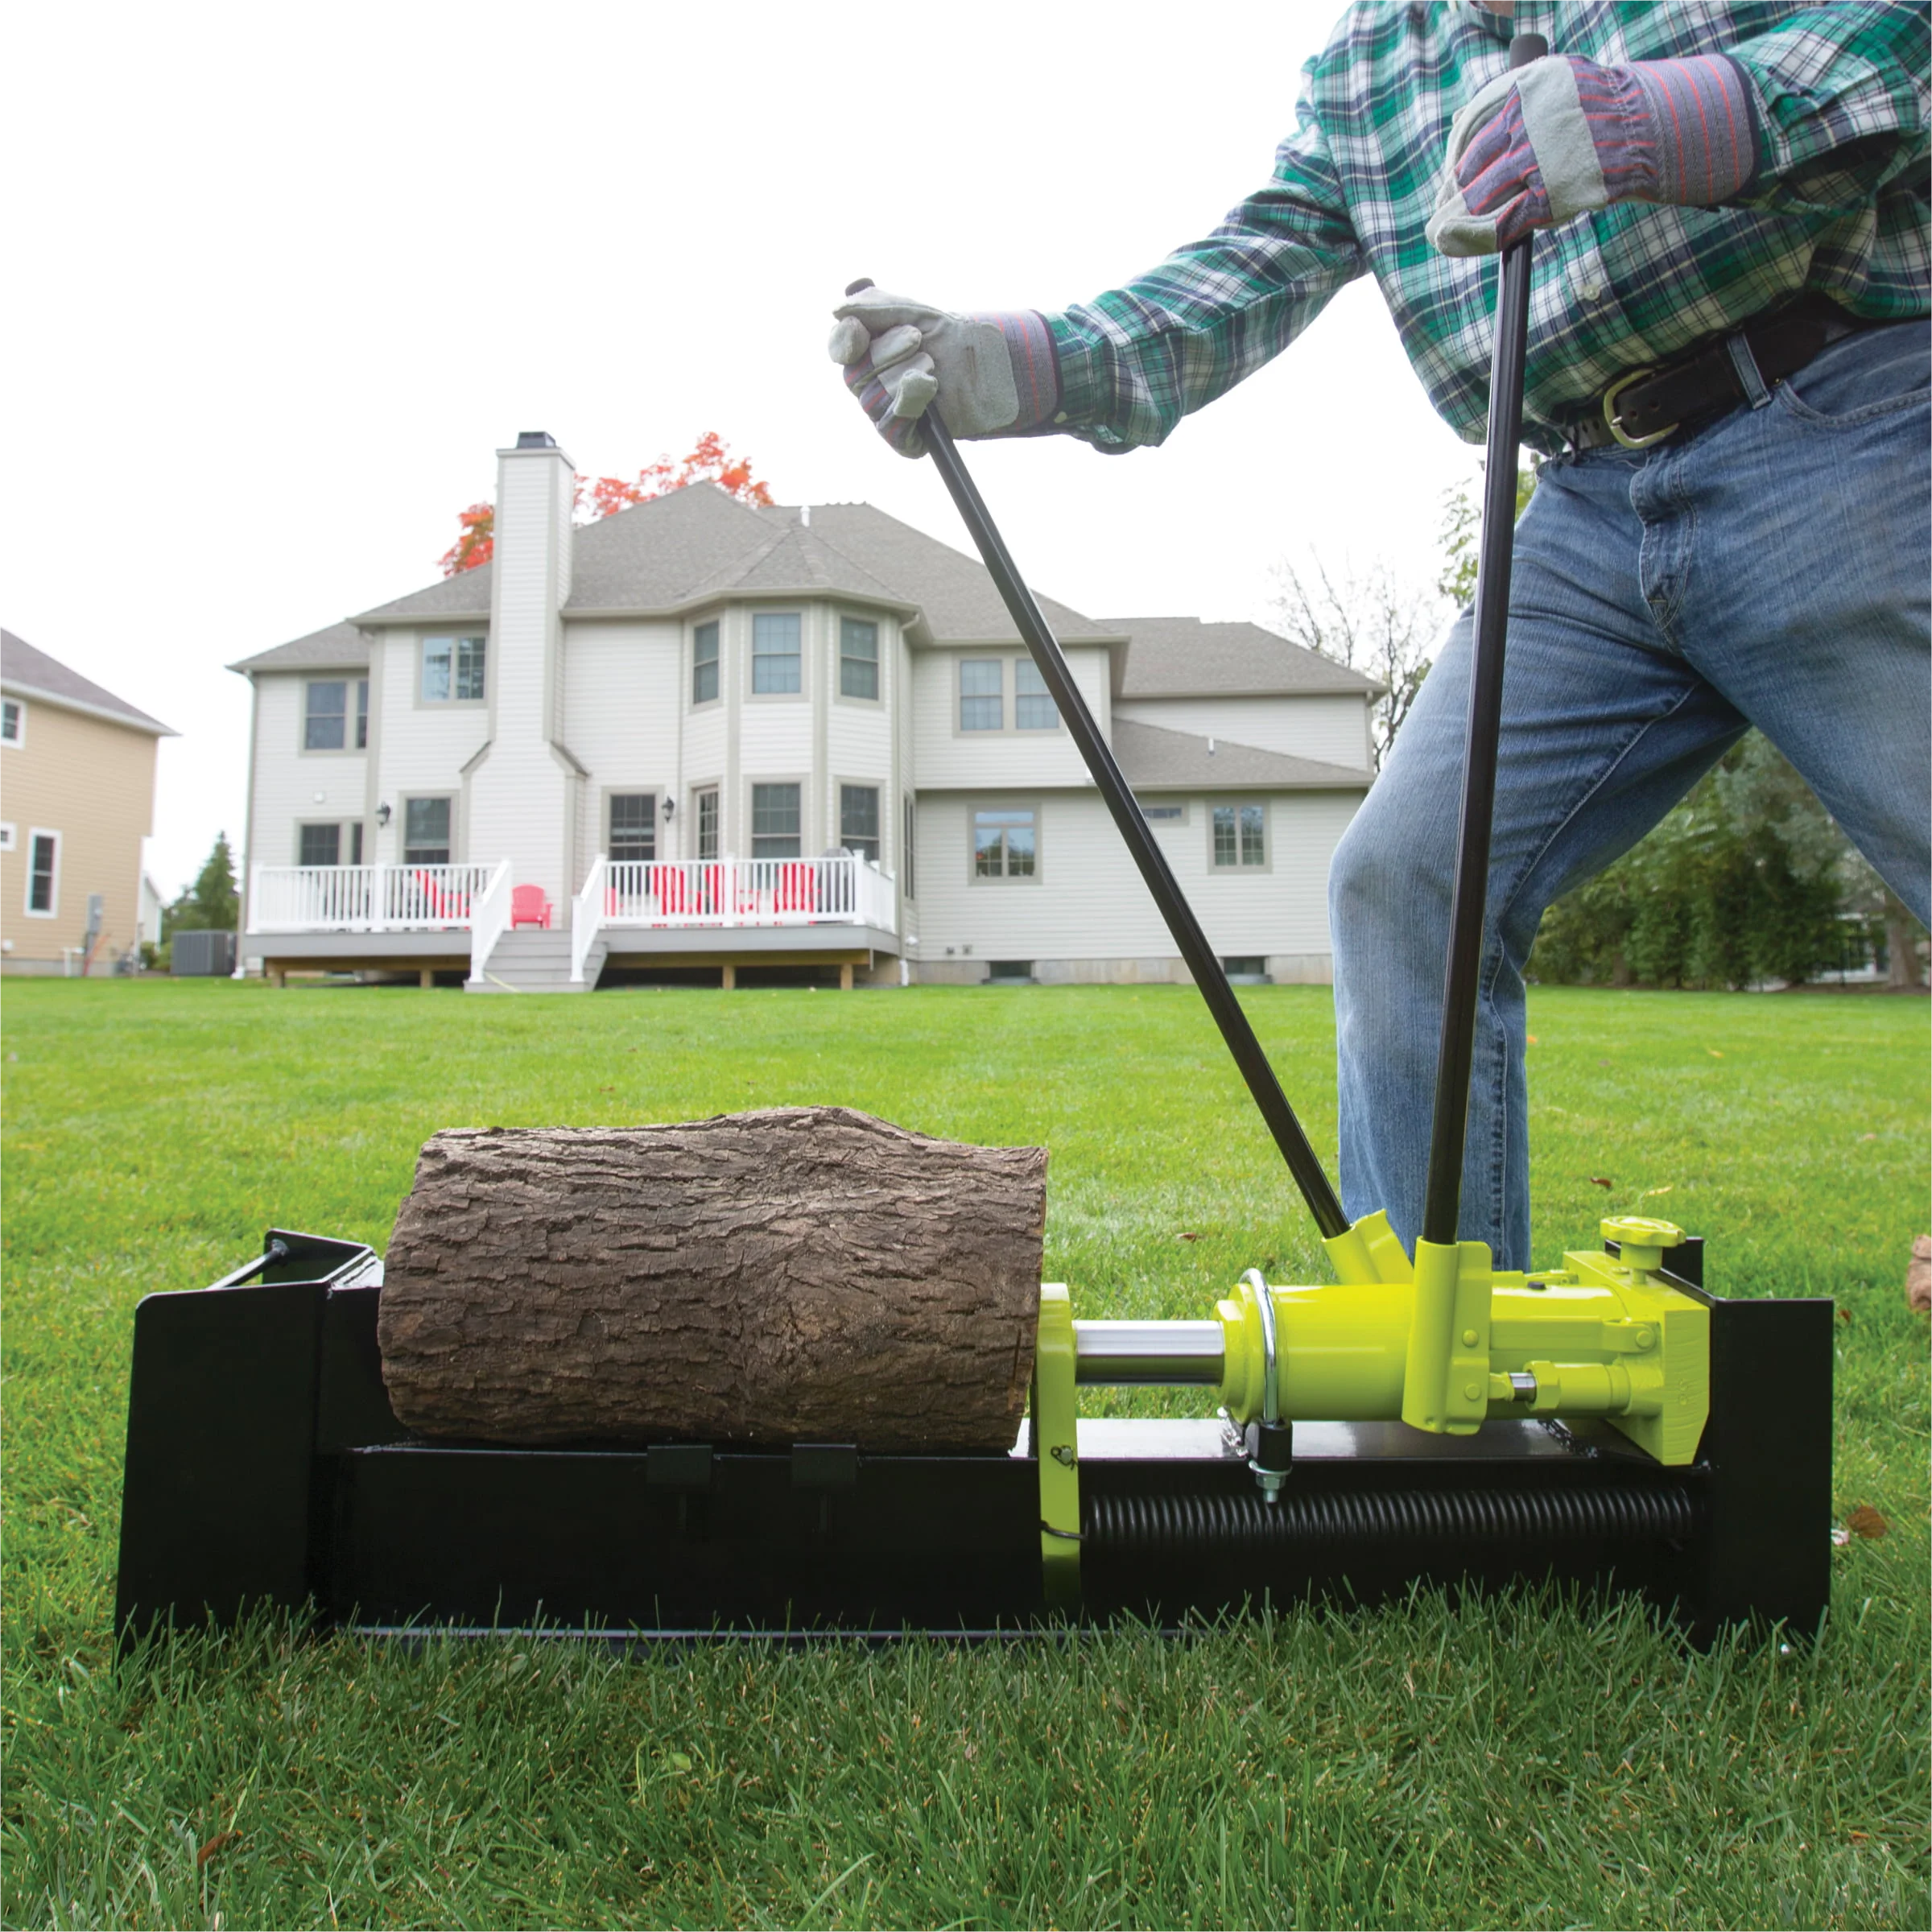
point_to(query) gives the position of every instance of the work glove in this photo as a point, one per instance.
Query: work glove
(990, 374)
(1543, 143)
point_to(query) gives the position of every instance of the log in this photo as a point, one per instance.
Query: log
(794, 1274)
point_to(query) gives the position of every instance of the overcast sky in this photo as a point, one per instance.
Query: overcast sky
(281, 280)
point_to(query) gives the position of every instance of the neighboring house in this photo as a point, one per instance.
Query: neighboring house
(712, 736)
(76, 798)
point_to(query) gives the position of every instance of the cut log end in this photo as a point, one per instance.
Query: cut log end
(794, 1274)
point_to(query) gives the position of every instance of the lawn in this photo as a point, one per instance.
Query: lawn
(1521, 1762)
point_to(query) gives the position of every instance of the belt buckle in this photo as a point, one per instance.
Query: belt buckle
(1616, 428)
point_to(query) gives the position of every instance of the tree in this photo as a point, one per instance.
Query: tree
(1462, 523)
(1370, 621)
(1374, 623)
(213, 903)
(710, 462)
(1748, 879)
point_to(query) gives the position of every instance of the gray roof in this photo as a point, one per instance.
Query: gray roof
(1155, 759)
(33, 673)
(953, 589)
(1183, 657)
(693, 545)
(341, 646)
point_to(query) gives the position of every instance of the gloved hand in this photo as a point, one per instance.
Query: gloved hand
(990, 374)
(1543, 143)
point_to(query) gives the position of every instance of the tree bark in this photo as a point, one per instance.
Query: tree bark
(797, 1274)
(1903, 972)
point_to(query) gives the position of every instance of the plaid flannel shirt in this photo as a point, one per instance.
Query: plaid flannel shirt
(1838, 205)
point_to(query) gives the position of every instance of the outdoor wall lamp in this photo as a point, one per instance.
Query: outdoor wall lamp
(671, 807)
(383, 815)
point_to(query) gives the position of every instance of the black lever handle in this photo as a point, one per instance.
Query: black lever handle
(1303, 1163)
(1441, 1206)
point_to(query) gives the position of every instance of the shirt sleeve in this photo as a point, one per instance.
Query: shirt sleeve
(1135, 360)
(1839, 98)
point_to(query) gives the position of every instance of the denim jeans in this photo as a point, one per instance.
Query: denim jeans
(1769, 570)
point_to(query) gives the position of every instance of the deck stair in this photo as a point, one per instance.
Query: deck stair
(530, 960)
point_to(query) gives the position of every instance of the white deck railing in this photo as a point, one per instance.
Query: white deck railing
(369, 898)
(583, 919)
(726, 893)
(489, 921)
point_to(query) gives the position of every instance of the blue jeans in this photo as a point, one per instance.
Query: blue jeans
(1770, 570)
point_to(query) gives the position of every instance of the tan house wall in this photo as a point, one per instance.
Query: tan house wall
(93, 784)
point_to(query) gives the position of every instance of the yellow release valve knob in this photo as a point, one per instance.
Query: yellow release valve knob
(1642, 1240)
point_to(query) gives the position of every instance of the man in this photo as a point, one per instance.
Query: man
(1731, 270)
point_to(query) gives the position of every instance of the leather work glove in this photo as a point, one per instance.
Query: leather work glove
(990, 374)
(1543, 143)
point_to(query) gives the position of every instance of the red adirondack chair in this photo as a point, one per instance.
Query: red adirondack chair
(529, 907)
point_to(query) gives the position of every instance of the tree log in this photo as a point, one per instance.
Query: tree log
(796, 1275)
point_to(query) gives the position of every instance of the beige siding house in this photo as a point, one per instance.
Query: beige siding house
(76, 799)
(701, 737)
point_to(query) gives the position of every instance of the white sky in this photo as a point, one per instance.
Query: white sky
(281, 280)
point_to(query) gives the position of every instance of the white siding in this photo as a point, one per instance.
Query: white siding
(521, 796)
(287, 778)
(1333, 728)
(944, 755)
(857, 740)
(1087, 900)
(622, 697)
(419, 748)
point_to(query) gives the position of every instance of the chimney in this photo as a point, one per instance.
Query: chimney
(522, 795)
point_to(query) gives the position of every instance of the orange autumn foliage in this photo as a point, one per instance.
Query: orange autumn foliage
(710, 462)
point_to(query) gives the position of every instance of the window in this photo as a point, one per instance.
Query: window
(321, 845)
(1239, 835)
(775, 651)
(633, 827)
(858, 658)
(707, 803)
(1003, 845)
(426, 832)
(774, 822)
(704, 664)
(1165, 814)
(13, 720)
(982, 694)
(325, 722)
(355, 842)
(362, 714)
(1245, 966)
(452, 670)
(1033, 708)
(43, 873)
(859, 820)
(908, 852)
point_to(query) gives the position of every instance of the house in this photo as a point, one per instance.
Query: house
(705, 738)
(76, 799)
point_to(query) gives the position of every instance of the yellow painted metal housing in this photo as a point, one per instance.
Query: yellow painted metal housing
(1603, 1337)
(1443, 1346)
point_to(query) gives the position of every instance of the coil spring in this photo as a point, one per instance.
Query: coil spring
(1182, 1526)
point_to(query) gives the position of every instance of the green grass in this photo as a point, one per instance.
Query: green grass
(1519, 1762)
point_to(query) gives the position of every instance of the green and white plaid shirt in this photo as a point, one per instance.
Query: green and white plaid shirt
(1838, 206)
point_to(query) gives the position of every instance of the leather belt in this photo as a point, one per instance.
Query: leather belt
(1649, 405)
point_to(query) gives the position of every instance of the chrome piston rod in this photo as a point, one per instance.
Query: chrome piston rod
(1148, 1355)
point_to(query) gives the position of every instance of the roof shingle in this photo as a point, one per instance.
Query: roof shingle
(1184, 657)
(1155, 759)
(32, 673)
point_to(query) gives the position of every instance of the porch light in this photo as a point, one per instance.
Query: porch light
(383, 814)
(671, 806)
